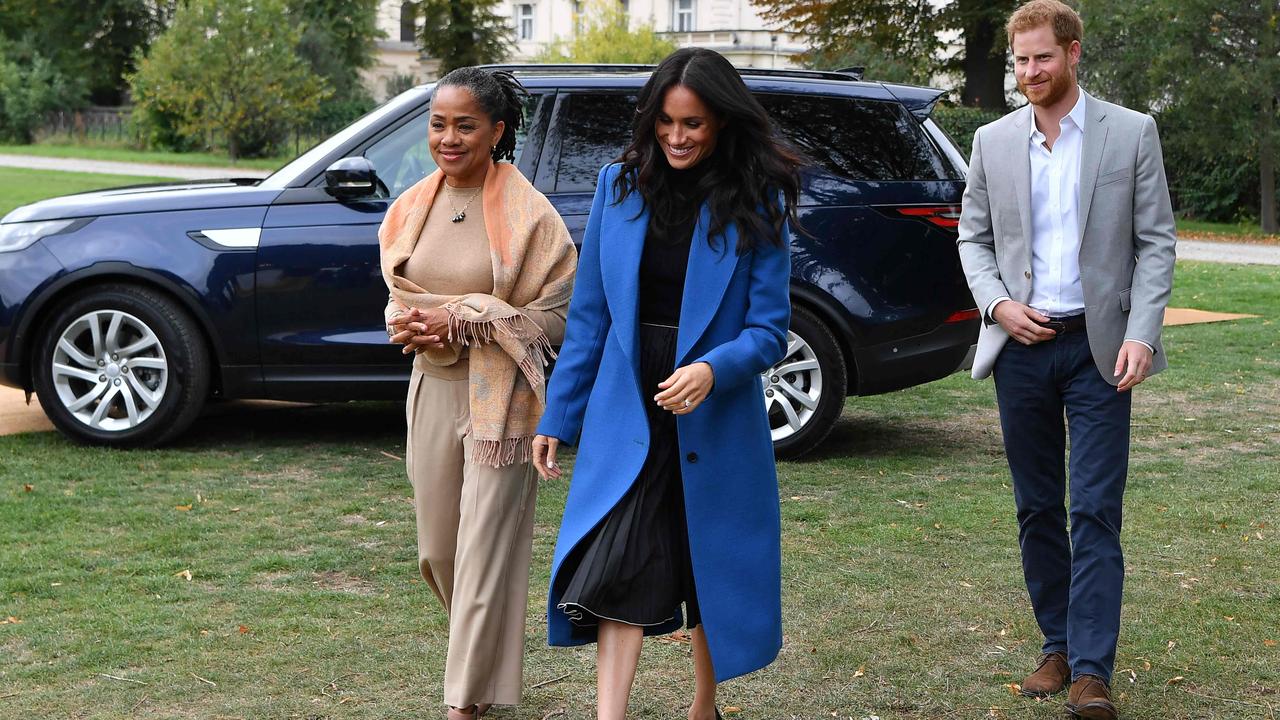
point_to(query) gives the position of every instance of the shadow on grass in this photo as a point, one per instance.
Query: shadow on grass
(866, 437)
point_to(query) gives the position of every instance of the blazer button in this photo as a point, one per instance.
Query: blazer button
(691, 457)
(1028, 274)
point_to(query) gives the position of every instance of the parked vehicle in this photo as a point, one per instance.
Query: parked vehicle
(125, 309)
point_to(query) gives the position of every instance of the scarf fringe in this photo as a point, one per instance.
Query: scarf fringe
(474, 332)
(498, 453)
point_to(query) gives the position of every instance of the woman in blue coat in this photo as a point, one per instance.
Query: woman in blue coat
(681, 302)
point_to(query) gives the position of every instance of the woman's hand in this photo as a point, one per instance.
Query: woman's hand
(544, 456)
(686, 388)
(420, 330)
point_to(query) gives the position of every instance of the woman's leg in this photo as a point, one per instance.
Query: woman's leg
(617, 654)
(704, 679)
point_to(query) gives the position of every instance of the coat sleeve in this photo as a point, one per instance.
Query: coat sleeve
(763, 340)
(976, 241)
(585, 332)
(1154, 238)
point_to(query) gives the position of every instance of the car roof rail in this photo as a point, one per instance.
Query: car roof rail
(854, 73)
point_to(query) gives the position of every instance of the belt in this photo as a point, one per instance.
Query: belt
(1068, 324)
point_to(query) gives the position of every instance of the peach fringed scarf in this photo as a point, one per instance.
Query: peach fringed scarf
(533, 267)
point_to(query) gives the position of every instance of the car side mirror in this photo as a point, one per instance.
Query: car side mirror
(351, 178)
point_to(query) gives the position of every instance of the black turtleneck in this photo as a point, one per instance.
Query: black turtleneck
(666, 248)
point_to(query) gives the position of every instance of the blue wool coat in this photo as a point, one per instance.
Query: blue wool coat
(734, 316)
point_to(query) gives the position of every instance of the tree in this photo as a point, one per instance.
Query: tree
(94, 41)
(1211, 72)
(462, 32)
(603, 35)
(30, 87)
(903, 38)
(338, 40)
(228, 72)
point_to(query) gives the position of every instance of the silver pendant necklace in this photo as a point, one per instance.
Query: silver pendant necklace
(460, 215)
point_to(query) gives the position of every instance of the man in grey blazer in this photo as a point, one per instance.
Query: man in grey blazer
(1067, 240)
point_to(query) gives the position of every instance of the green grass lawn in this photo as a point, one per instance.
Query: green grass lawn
(19, 186)
(112, 151)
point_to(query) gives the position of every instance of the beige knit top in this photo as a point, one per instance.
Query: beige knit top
(454, 259)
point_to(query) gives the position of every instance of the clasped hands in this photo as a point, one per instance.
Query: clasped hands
(680, 394)
(1134, 361)
(420, 330)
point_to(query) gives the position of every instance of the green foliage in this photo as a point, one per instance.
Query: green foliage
(463, 32)
(227, 74)
(1209, 72)
(338, 41)
(604, 36)
(962, 122)
(30, 87)
(400, 82)
(94, 41)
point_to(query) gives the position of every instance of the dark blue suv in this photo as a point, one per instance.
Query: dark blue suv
(124, 310)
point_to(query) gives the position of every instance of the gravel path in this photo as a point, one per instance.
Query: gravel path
(111, 167)
(1229, 252)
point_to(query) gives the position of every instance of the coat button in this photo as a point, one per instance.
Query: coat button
(691, 457)
(1028, 274)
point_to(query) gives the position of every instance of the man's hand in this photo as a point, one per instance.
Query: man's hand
(1134, 362)
(544, 456)
(1020, 322)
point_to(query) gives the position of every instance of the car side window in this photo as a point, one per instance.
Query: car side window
(594, 130)
(402, 158)
(857, 138)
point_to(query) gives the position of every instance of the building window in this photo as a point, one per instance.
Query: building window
(682, 15)
(524, 21)
(626, 6)
(408, 21)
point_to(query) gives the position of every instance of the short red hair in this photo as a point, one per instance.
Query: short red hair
(1065, 21)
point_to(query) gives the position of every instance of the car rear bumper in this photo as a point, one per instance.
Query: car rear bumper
(915, 360)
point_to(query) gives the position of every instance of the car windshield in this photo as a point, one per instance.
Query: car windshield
(283, 177)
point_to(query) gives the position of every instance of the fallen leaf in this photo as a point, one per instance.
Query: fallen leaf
(731, 710)
(1269, 643)
(965, 584)
(11, 620)
(1014, 688)
(1146, 665)
(55, 584)
(243, 629)
(862, 670)
(1175, 680)
(937, 526)
(182, 508)
(183, 574)
(235, 509)
(28, 487)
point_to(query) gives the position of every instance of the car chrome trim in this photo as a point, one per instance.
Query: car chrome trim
(235, 238)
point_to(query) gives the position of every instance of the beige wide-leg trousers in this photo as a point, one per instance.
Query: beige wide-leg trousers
(475, 533)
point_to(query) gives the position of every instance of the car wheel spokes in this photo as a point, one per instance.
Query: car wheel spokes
(110, 370)
(792, 389)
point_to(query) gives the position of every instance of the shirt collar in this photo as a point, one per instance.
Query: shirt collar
(1076, 115)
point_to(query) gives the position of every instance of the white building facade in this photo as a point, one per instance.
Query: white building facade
(730, 27)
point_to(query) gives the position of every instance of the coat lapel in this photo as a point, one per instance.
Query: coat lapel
(706, 278)
(621, 242)
(1095, 141)
(1022, 172)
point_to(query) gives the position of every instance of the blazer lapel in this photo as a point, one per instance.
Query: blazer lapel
(1095, 141)
(621, 242)
(706, 279)
(1022, 171)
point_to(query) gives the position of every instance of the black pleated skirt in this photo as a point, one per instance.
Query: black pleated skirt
(634, 566)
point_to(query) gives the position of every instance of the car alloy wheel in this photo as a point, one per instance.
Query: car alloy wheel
(792, 389)
(110, 370)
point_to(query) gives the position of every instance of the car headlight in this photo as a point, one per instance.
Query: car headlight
(20, 235)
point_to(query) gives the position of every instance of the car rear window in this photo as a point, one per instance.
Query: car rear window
(856, 138)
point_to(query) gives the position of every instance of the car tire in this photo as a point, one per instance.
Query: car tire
(121, 365)
(805, 391)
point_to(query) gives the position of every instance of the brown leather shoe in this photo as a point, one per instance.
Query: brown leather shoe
(1090, 698)
(1051, 675)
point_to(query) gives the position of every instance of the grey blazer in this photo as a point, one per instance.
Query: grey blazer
(1126, 227)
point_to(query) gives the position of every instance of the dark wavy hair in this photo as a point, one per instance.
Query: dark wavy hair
(749, 168)
(500, 95)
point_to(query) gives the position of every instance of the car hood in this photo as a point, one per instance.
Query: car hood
(150, 198)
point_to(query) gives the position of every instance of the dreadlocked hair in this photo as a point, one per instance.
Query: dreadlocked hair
(500, 95)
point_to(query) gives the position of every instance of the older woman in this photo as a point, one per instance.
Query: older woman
(681, 303)
(480, 269)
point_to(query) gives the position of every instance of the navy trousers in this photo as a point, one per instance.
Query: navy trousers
(1074, 580)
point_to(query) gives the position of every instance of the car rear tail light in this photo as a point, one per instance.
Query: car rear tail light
(963, 315)
(944, 216)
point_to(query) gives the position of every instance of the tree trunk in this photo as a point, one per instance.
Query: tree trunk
(1267, 167)
(984, 63)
